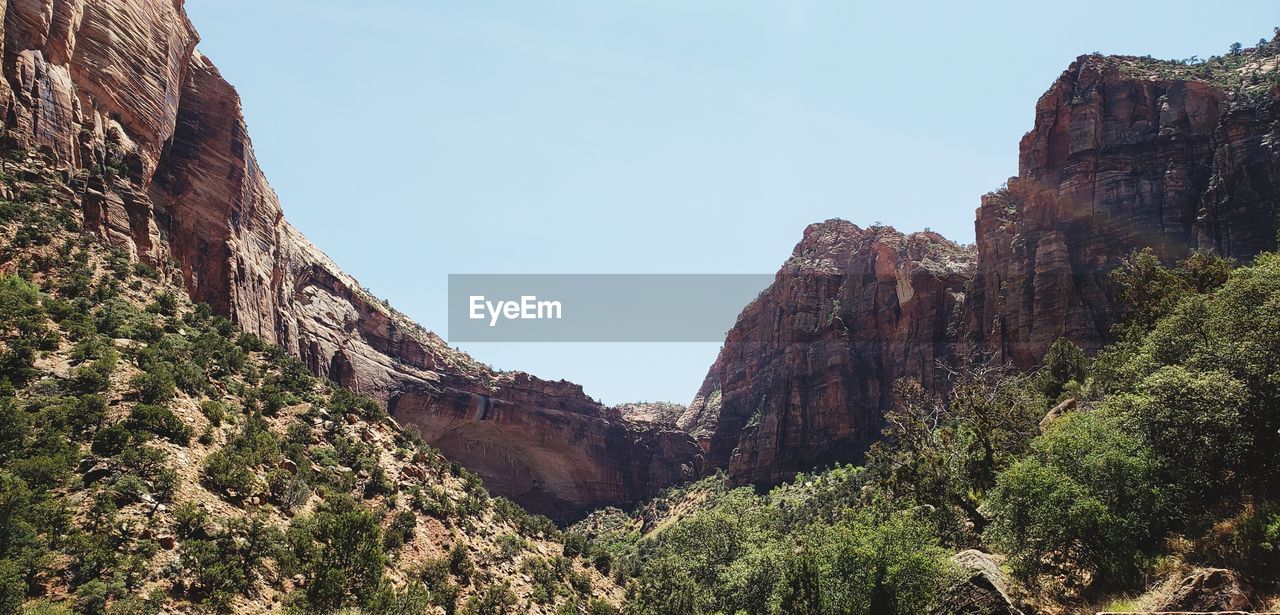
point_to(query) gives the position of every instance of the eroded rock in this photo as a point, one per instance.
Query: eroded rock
(985, 591)
(1208, 590)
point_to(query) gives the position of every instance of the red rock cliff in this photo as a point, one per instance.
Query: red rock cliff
(1125, 153)
(809, 367)
(115, 91)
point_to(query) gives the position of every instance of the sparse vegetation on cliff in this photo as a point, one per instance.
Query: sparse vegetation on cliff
(153, 458)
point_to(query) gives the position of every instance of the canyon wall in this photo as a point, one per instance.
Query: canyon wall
(1125, 153)
(116, 93)
(805, 372)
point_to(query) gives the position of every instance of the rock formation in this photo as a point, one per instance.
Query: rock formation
(1209, 590)
(153, 135)
(983, 589)
(1125, 153)
(810, 365)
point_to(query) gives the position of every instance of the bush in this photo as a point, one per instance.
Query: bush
(95, 377)
(13, 589)
(1193, 423)
(401, 530)
(339, 549)
(494, 600)
(460, 563)
(214, 410)
(160, 421)
(166, 304)
(345, 401)
(230, 563)
(228, 469)
(510, 545)
(1064, 365)
(111, 440)
(1087, 498)
(157, 385)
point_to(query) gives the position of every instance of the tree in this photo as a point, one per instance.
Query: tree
(1086, 498)
(663, 587)
(869, 565)
(1193, 424)
(1064, 364)
(340, 550)
(12, 587)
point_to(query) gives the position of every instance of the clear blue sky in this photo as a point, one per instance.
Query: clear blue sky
(411, 139)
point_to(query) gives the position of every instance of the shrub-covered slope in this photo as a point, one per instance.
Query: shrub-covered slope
(1145, 478)
(153, 458)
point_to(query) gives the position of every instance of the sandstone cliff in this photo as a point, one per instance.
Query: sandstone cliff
(810, 365)
(116, 86)
(1125, 153)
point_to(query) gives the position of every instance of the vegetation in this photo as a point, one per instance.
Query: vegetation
(154, 459)
(1167, 450)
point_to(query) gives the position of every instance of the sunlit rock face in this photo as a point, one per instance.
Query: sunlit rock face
(1125, 153)
(117, 87)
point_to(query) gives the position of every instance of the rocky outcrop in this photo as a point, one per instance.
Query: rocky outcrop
(1209, 590)
(809, 367)
(1126, 153)
(983, 589)
(115, 91)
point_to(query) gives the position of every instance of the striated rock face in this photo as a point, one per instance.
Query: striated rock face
(1126, 153)
(808, 369)
(115, 92)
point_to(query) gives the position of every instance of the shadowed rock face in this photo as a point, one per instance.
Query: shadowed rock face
(1125, 153)
(1121, 157)
(808, 369)
(116, 87)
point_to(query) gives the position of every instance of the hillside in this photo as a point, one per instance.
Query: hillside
(1143, 479)
(120, 84)
(153, 458)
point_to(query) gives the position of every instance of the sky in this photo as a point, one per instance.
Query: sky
(413, 139)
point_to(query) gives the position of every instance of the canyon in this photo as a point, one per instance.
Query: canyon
(119, 85)
(1124, 153)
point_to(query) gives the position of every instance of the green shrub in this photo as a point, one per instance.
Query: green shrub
(1087, 498)
(160, 421)
(494, 600)
(460, 563)
(229, 468)
(339, 550)
(230, 563)
(510, 545)
(13, 588)
(400, 531)
(214, 410)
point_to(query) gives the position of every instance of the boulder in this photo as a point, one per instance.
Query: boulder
(985, 591)
(1210, 589)
(97, 472)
